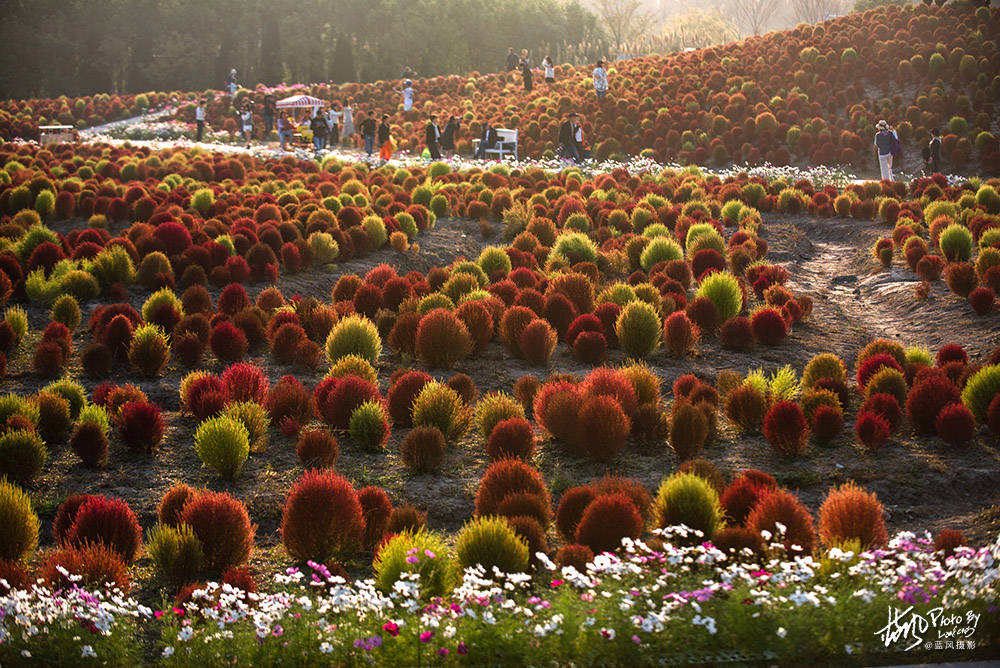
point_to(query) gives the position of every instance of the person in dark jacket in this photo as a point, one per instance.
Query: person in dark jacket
(448, 136)
(384, 137)
(567, 137)
(934, 145)
(368, 129)
(526, 74)
(432, 136)
(512, 60)
(487, 140)
(270, 111)
(320, 130)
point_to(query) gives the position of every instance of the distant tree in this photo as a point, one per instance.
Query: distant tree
(814, 11)
(865, 5)
(752, 15)
(698, 28)
(343, 69)
(625, 20)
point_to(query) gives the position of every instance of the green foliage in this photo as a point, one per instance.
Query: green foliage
(255, 418)
(22, 455)
(71, 391)
(33, 238)
(353, 365)
(149, 351)
(94, 414)
(113, 265)
(955, 243)
(163, 296)
(494, 258)
(919, 354)
(980, 389)
(496, 407)
(639, 329)
(420, 552)
(491, 542)
(723, 290)
(437, 405)
(660, 249)
(202, 200)
(324, 248)
(18, 524)
(572, 247)
(368, 425)
(176, 552)
(12, 404)
(223, 444)
(375, 229)
(354, 335)
(18, 321)
(66, 310)
(686, 498)
(824, 365)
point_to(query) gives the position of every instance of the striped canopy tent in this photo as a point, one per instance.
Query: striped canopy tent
(300, 102)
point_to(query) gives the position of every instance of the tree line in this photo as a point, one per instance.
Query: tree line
(81, 47)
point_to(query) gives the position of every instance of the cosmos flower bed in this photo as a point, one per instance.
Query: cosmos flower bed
(21, 118)
(126, 271)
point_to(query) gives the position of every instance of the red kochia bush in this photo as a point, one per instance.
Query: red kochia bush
(602, 427)
(110, 522)
(511, 438)
(423, 448)
(506, 477)
(402, 393)
(786, 429)
(478, 322)
(223, 526)
(955, 425)
(827, 423)
(948, 540)
(740, 497)
(90, 443)
(141, 426)
(573, 503)
(172, 504)
(228, 342)
(779, 505)
(97, 565)
(872, 430)
(317, 448)
(873, 364)
(850, 513)
(575, 555)
(606, 521)
(335, 533)
(886, 407)
(982, 300)
(336, 398)
(289, 404)
(66, 515)
(376, 508)
(736, 333)
(245, 382)
(442, 339)
(736, 539)
(768, 326)
(48, 359)
(926, 399)
(537, 341)
(951, 352)
(590, 347)
(679, 333)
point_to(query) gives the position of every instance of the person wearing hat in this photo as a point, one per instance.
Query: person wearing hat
(407, 94)
(886, 140)
(600, 80)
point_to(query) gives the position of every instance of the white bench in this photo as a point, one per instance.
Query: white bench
(506, 142)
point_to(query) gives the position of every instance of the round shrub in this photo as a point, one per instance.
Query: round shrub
(948, 540)
(602, 427)
(419, 552)
(95, 566)
(827, 423)
(574, 555)
(442, 339)
(955, 243)
(768, 326)
(109, 522)
(512, 437)
(317, 448)
(335, 534)
(926, 399)
(746, 407)
(851, 514)
(980, 390)
(780, 506)
(606, 521)
(402, 393)
(724, 291)
(689, 429)
(228, 342)
(22, 455)
(572, 505)
(53, 416)
(537, 341)
(490, 542)
(638, 329)
(141, 426)
(18, 524)
(172, 504)
(67, 311)
(149, 351)
(354, 335)
(440, 406)
(245, 382)
(688, 499)
(955, 425)
(736, 334)
(494, 408)
(504, 478)
(737, 540)
(376, 509)
(423, 448)
(785, 428)
(337, 398)
(254, 417)
(223, 444)
(660, 249)
(222, 525)
(90, 443)
(369, 425)
(289, 404)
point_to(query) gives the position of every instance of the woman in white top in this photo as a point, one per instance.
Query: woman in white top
(246, 116)
(407, 95)
(347, 130)
(333, 122)
(550, 70)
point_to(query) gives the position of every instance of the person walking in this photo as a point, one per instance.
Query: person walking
(246, 121)
(885, 143)
(368, 129)
(526, 74)
(231, 84)
(386, 142)
(347, 129)
(487, 140)
(269, 113)
(407, 94)
(432, 136)
(512, 60)
(333, 116)
(199, 119)
(934, 145)
(581, 148)
(567, 138)
(600, 80)
(448, 137)
(286, 128)
(320, 131)
(550, 70)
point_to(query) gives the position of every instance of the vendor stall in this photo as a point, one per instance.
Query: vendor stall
(295, 104)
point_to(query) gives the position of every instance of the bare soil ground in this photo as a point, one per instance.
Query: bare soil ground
(923, 483)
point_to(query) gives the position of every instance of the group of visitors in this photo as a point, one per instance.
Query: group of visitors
(889, 149)
(331, 125)
(440, 142)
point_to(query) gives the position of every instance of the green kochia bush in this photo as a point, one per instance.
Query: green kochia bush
(980, 390)
(639, 329)
(354, 335)
(223, 444)
(420, 552)
(660, 249)
(956, 243)
(18, 524)
(723, 290)
(686, 498)
(573, 247)
(489, 542)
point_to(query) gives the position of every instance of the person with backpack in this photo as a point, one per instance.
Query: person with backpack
(886, 145)
(487, 140)
(935, 151)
